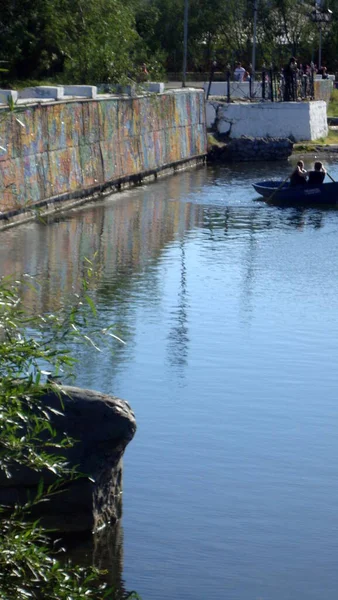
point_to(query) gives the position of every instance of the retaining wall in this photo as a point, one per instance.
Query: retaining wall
(299, 120)
(59, 149)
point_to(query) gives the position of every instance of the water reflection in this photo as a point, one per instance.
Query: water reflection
(178, 337)
(103, 550)
(128, 237)
(228, 308)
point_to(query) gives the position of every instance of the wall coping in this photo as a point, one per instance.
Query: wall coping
(269, 105)
(100, 97)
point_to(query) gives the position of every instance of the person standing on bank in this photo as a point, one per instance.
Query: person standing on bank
(239, 72)
(290, 80)
(299, 175)
(317, 176)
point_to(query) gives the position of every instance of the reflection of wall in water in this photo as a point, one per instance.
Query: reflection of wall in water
(127, 236)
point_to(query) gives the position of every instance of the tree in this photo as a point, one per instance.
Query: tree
(98, 39)
(86, 41)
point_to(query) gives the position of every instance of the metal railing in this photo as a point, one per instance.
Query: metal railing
(270, 85)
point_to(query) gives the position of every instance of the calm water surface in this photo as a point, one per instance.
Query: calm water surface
(229, 310)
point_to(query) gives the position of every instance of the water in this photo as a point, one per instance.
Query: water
(229, 312)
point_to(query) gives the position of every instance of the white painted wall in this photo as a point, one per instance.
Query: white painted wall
(302, 120)
(318, 120)
(6, 95)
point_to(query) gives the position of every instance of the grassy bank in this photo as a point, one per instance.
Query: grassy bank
(332, 109)
(313, 146)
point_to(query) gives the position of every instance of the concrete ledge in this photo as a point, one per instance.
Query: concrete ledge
(6, 95)
(87, 91)
(294, 120)
(43, 91)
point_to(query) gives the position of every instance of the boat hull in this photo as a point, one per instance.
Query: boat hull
(283, 194)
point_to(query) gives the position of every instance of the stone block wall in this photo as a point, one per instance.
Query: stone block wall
(248, 149)
(59, 148)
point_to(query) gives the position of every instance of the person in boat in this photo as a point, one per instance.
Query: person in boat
(299, 175)
(317, 176)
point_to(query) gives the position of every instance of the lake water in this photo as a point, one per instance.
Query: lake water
(229, 311)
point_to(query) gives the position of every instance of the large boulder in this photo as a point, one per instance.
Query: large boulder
(102, 426)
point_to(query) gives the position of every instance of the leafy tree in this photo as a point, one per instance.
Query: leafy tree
(98, 39)
(87, 41)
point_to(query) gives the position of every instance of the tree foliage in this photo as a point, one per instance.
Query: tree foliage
(89, 41)
(224, 31)
(85, 40)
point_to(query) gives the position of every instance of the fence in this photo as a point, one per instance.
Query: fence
(269, 84)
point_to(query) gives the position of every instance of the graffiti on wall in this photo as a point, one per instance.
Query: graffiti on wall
(62, 148)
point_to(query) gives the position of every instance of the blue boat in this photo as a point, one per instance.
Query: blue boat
(284, 194)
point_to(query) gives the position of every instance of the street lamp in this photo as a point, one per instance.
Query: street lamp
(254, 37)
(185, 43)
(322, 18)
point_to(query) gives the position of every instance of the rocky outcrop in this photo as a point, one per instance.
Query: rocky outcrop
(246, 149)
(102, 426)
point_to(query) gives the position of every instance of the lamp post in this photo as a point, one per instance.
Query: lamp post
(254, 36)
(322, 18)
(185, 43)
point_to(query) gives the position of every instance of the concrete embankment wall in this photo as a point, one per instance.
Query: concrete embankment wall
(60, 150)
(295, 120)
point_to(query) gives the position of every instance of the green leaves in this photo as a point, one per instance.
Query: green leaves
(30, 347)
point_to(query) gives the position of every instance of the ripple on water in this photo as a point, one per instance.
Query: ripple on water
(228, 308)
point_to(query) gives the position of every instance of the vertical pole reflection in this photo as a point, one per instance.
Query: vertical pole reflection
(249, 270)
(178, 336)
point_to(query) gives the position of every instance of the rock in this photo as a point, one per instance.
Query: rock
(103, 425)
(251, 149)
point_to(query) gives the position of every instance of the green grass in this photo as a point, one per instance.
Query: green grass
(332, 109)
(213, 141)
(330, 140)
(304, 147)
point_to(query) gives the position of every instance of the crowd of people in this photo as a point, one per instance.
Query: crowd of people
(292, 81)
(291, 69)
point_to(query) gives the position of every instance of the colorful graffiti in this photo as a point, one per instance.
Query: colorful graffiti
(50, 150)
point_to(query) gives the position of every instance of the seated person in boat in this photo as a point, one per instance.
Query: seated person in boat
(317, 176)
(298, 177)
